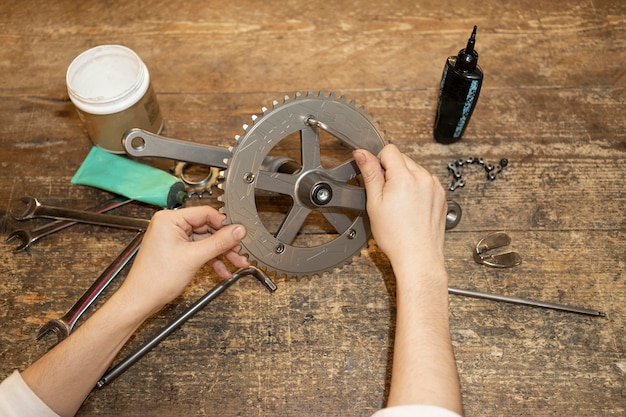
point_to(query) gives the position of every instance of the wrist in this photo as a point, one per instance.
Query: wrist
(412, 274)
(131, 307)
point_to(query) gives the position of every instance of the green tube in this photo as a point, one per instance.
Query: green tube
(121, 175)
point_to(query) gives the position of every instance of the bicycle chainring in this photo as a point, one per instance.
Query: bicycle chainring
(305, 216)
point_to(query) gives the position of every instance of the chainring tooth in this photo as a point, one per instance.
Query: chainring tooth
(272, 255)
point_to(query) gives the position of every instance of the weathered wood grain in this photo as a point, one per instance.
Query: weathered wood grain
(552, 104)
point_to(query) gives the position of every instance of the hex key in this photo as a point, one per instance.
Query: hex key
(126, 363)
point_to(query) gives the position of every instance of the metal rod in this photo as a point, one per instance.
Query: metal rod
(126, 363)
(515, 300)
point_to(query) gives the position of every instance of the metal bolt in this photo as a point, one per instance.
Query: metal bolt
(321, 194)
(351, 234)
(280, 248)
(249, 177)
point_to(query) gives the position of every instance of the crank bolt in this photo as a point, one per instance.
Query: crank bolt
(249, 177)
(351, 234)
(280, 248)
(321, 194)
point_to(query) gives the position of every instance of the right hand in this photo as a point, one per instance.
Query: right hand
(406, 205)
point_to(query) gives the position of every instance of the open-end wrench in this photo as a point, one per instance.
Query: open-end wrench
(35, 209)
(126, 363)
(64, 325)
(27, 237)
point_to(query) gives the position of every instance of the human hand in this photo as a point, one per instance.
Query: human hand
(176, 245)
(406, 206)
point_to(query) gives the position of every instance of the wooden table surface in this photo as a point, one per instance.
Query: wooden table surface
(552, 103)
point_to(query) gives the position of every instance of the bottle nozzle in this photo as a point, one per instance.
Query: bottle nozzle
(468, 57)
(471, 42)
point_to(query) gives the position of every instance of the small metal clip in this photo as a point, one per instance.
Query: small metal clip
(496, 260)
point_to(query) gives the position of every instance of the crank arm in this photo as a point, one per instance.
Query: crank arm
(140, 143)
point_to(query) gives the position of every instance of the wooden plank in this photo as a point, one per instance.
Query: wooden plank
(552, 104)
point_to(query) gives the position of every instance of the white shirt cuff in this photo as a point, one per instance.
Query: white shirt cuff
(18, 400)
(415, 411)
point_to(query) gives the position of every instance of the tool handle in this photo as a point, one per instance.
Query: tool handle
(101, 219)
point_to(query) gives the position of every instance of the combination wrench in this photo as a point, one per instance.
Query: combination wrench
(126, 363)
(27, 237)
(64, 325)
(35, 209)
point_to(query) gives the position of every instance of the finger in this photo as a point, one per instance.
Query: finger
(222, 241)
(200, 219)
(392, 161)
(372, 172)
(238, 260)
(220, 269)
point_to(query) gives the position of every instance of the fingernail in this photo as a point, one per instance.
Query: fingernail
(359, 156)
(239, 232)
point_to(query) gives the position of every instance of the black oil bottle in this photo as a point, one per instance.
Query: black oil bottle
(458, 93)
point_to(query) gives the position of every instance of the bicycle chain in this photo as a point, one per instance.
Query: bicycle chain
(493, 171)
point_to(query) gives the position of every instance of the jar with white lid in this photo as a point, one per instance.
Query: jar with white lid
(111, 90)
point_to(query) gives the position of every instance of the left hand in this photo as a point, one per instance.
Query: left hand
(176, 245)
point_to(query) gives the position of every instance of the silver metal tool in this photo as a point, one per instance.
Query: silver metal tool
(27, 237)
(483, 252)
(35, 209)
(126, 363)
(64, 325)
(521, 301)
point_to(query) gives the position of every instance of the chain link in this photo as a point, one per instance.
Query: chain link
(492, 171)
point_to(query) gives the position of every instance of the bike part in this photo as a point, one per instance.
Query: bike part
(141, 143)
(453, 216)
(126, 363)
(195, 187)
(315, 191)
(492, 171)
(332, 192)
(493, 241)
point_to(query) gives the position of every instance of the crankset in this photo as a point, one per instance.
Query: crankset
(291, 181)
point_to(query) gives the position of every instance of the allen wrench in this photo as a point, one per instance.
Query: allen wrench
(126, 363)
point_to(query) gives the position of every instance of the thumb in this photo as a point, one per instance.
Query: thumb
(372, 172)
